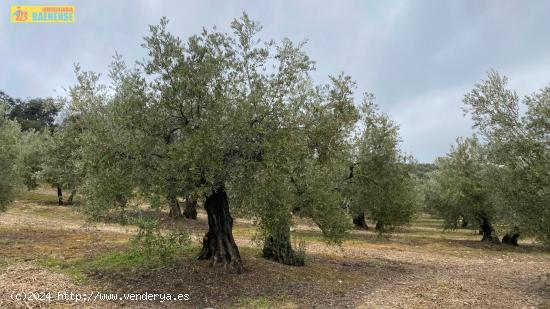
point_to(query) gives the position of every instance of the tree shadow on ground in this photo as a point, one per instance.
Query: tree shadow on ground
(522, 248)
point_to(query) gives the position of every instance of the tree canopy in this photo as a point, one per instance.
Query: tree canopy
(518, 145)
(227, 117)
(32, 114)
(9, 149)
(381, 183)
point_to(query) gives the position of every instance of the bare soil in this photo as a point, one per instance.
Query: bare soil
(417, 267)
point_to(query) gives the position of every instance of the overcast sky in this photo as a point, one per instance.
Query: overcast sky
(417, 57)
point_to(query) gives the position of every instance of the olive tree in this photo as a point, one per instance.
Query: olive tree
(31, 156)
(459, 189)
(381, 183)
(221, 117)
(10, 132)
(24, 142)
(106, 155)
(519, 145)
(303, 169)
(61, 166)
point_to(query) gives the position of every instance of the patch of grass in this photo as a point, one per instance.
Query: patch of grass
(313, 236)
(250, 250)
(4, 262)
(149, 248)
(37, 197)
(117, 260)
(427, 221)
(245, 231)
(69, 213)
(263, 302)
(66, 267)
(259, 302)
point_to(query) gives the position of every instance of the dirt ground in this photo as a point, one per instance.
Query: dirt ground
(419, 266)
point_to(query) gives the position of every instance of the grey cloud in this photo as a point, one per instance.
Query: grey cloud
(418, 57)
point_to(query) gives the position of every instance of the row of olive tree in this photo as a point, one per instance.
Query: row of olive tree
(46, 151)
(504, 180)
(221, 118)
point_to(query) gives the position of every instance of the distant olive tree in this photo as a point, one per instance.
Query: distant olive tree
(519, 146)
(31, 156)
(10, 133)
(61, 165)
(36, 118)
(381, 183)
(459, 191)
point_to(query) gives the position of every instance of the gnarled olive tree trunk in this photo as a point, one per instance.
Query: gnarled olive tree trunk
(59, 196)
(486, 228)
(464, 223)
(510, 239)
(380, 226)
(190, 211)
(218, 244)
(277, 244)
(360, 222)
(175, 210)
(71, 197)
